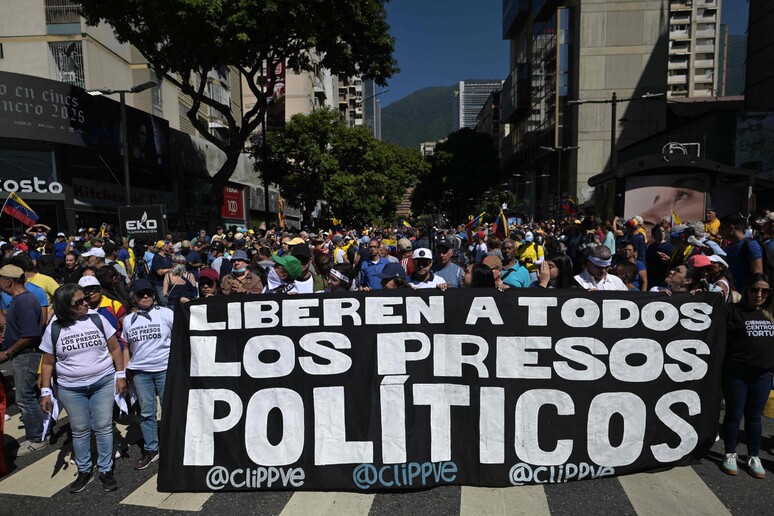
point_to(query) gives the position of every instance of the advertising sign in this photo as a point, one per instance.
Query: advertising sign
(275, 99)
(146, 223)
(390, 390)
(233, 203)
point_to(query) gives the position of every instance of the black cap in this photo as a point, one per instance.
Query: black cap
(445, 242)
(301, 251)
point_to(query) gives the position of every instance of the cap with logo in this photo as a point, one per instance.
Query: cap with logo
(87, 281)
(445, 243)
(422, 254)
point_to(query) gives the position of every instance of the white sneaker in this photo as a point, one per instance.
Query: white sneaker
(729, 464)
(28, 447)
(755, 467)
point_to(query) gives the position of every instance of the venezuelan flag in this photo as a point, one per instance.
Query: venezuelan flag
(475, 222)
(500, 227)
(18, 209)
(569, 206)
(406, 224)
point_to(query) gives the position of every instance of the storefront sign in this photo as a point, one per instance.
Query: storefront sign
(390, 390)
(146, 223)
(233, 203)
(105, 195)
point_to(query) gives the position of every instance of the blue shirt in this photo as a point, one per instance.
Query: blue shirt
(739, 260)
(39, 293)
(516, 276)
(59, 249)
(369, 272)
(451, 273)
(23, 319)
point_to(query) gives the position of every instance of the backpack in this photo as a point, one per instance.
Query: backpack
(56, 329)
(767, 257)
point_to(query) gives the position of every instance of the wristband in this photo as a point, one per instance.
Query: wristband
(121, 374)
(45, 392)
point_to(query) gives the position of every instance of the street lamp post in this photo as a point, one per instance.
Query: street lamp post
(137, 88)
(559, 151)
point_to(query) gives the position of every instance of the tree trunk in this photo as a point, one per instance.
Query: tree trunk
(219, 181)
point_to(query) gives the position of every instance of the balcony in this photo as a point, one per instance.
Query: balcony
(679, 49)
(678, 65)
(680, 19)
(705, 49)
(707, 18)
(705, 33)
(703, 79)
(681, 5)
(704, 63)
(677, 79)
(679, 34)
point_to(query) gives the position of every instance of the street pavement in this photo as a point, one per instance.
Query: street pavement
(38, 484)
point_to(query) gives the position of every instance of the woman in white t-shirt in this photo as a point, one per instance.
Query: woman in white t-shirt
(147, 333)
(90, 372)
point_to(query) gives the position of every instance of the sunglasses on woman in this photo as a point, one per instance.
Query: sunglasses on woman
(206, 282)
(144, 293)
(81, 301)
(91, 290)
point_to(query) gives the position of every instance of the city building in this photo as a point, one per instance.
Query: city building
(468, 100)
(55, 134)
(694, 43)
(488, 120)
(572, 50)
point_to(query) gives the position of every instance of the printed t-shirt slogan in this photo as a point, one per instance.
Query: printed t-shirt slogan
(387, 391)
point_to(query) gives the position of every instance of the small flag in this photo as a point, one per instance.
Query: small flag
(406, 224)
(569, 206)
(675, 218)
(475, 222)
(281, 213)
(18, 209)
(500, 227)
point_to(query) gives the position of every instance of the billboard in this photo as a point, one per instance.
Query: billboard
(147, 223)
(233, 203)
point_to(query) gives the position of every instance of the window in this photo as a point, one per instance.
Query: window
(65, 60)
(1, 51)
(62, 11)
(158, 105)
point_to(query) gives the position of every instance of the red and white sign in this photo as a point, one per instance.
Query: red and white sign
(233, 203)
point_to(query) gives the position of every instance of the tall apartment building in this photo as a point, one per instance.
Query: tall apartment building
(358, 104)
(694, 43)
(469, 98)
(562, 50)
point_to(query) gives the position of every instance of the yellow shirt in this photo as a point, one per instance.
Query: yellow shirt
(47, 283)
(532, 251)
(712, 227)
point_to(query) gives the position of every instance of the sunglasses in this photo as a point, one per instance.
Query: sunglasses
(91, 290)
(758, 290)
(423, 262)
(206, 282)
(81, 301)
(145, 293)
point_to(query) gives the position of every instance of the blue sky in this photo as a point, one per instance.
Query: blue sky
(441, 42)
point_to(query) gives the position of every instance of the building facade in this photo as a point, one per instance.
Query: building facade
(468, 100)
(694, 45)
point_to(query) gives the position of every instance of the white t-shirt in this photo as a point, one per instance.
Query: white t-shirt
(81, 353)
(148, 335)
(305, 286)
(430, 282)
(609, 282)
(339, 256)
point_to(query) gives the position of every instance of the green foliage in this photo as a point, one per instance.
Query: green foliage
(423, 116)
(184, 39)
(463, 168)
(318, 157)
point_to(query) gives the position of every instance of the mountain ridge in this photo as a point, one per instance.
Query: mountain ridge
(424, 115)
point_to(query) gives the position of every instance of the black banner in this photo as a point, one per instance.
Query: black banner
(147, 223)
(388, 391)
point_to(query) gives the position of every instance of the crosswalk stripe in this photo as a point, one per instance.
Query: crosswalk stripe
(41, 478)
(148, 496)
(485, 501)
(329, 504)
(677, 491)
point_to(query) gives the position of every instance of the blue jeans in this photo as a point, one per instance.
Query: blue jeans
(25, 376)
(746, 391)
(90, 409)
(148, 385)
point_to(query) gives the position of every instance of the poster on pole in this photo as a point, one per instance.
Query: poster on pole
(392, 390)
(146, 223)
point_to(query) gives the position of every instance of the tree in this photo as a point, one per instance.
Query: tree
(318, 157)
(184, 39)
(463, 168)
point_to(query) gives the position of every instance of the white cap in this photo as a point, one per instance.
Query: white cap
(94, 251)
(528, 236)
(422, 254)
(714, 258)
(88, 281)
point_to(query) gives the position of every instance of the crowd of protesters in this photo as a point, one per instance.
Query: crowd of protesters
(98, 308)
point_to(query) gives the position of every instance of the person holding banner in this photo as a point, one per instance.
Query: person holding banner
(747, 371)
(147, 333)
(90, 372)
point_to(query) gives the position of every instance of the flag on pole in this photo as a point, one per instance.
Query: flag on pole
(474, 222)
(675, 218)
(18, 209)
(500, 227)
(281, 214)
(569, 206)
(406, 224)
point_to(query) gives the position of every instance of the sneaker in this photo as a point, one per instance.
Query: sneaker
(755, 467)
(117, 454)
(729, 464)
(146, 459)
(28, 447)
(108, 481)
(81, 481)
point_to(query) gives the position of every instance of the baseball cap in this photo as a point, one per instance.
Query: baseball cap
(87, 281)
(301, 251)
(11, 271)
(140, 285)
(240, 255)
(160, 244)
(422, 254)
(528, 236)
(336, 239)
(60, 234)
(94, 251)
(638, 220)
(81, 230)
(714, 258)
(209, 273)
(393, 270)
(291, 264)
(404, 244)
(480, 234)
(768, 218)
(185, 243)
(699, 260)
(445, 242)
(296, 241)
